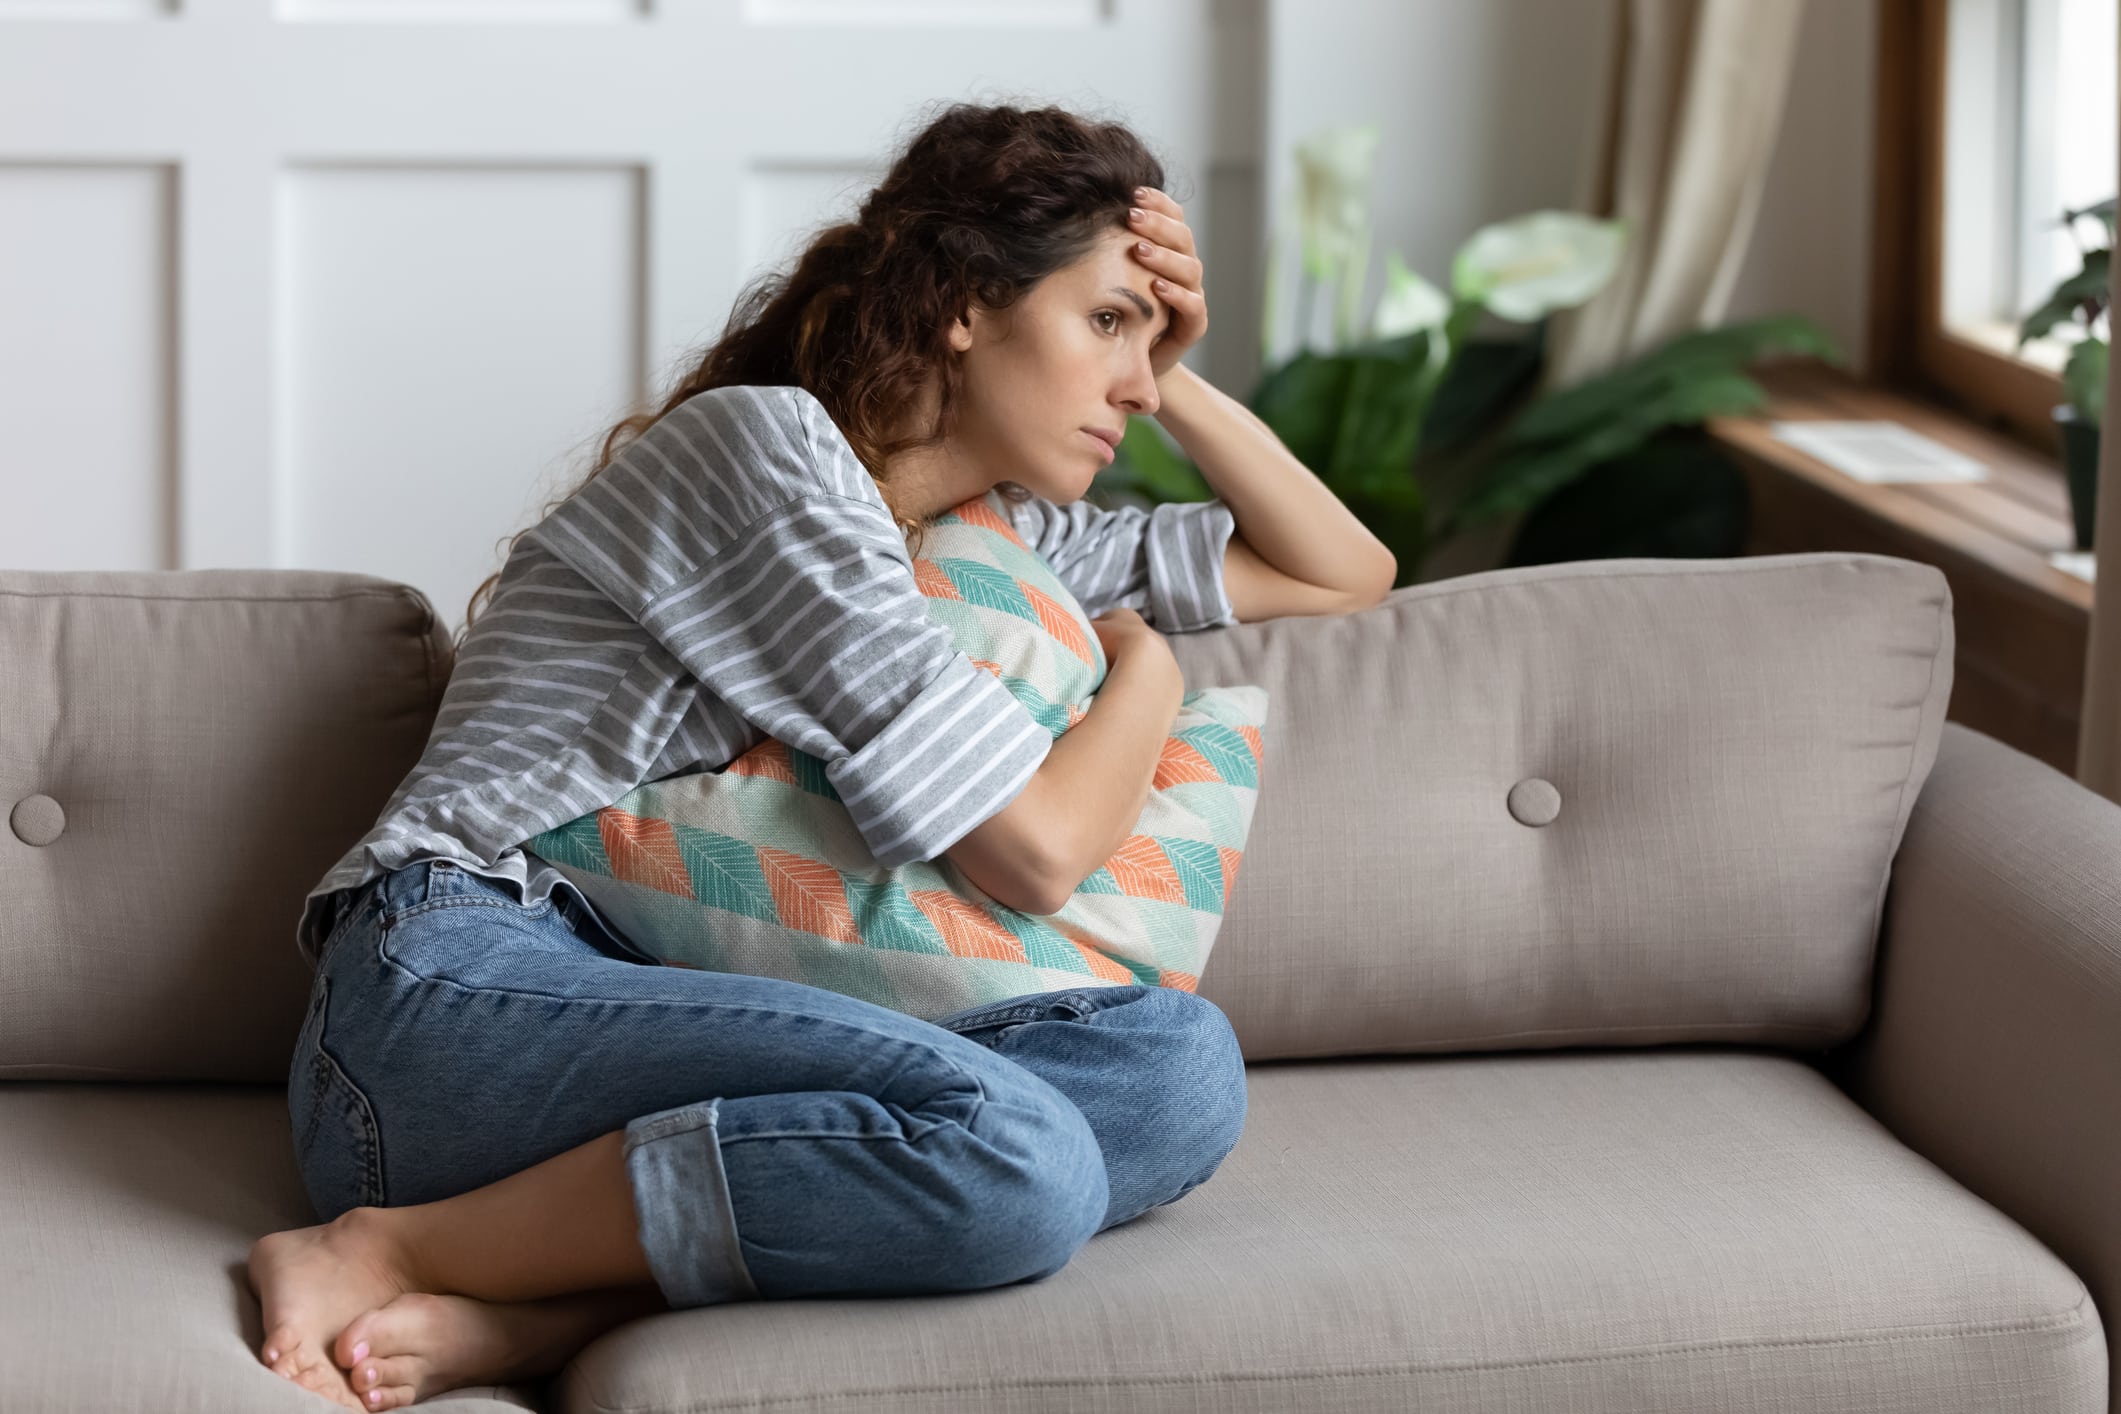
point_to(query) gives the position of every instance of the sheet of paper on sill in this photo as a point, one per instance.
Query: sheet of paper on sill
(1879, 451)
(2076, 562)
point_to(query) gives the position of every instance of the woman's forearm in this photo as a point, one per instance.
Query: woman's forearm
(1096, 778)
(1283, 511)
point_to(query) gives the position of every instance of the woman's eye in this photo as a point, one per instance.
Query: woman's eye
(1114, 316)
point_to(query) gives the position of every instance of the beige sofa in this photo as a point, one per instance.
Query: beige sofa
(1575, 1085)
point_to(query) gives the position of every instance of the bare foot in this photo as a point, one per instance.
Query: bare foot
(421, 1343)
(313, 1281)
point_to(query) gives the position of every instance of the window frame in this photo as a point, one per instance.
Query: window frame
(1909, 346)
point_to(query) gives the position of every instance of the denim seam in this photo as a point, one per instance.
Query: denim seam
(684, 1006)
(1005, 1011)
(369, 900)
(328, 1075)
(684, 1121)
(410, 910)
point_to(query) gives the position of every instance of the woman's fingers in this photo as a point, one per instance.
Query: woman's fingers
(1189, 310)
(1162, 220)
(1180, 269)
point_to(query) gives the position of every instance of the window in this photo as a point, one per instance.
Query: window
(1994, 117)
(2029, 126)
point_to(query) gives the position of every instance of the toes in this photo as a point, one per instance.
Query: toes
(386, 1374)
(355, 1341)
(318, 1377)
(279, 1346)
(390, 1397)
(401, 1323)
(292, 1358)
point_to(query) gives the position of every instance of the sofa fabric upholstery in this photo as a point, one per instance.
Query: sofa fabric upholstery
(1616, 802)
(1620, 1233)
(182, 756)
(127, 1213)
(1607, 802)
(1596, 803)
(1628, 1232)
(1996, 1047)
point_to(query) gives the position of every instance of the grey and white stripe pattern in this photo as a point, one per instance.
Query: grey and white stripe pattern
(735, 575)
(1165, 562)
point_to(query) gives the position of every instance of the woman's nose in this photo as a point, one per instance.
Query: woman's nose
(1140, 392)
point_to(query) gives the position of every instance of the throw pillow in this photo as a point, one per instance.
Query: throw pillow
(757, 868)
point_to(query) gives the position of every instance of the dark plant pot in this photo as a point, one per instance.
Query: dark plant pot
(2080, 460)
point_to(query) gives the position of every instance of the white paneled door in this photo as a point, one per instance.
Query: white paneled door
(359, 284)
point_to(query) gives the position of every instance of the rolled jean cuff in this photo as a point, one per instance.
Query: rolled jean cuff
(687, 1223)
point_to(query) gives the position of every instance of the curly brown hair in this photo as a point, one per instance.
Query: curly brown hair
(984, 202)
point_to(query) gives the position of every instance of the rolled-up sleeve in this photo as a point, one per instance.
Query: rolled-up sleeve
(1165, 562)
(811, 626)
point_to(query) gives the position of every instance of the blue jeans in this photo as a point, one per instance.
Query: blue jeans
(781, 1139)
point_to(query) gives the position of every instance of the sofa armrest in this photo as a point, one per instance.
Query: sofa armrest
(1994, 1048)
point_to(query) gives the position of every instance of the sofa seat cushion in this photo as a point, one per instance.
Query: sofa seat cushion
(1626, 1232)
(127, 1214)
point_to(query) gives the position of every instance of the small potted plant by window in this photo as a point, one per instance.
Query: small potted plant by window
(2083, 298)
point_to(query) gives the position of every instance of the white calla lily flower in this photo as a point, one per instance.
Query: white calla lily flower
(1409, 304)
(1527, 268)
(1333, 181)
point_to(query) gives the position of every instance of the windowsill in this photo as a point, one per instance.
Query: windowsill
(2020, 625)
(2044, 355)
(2008, 524)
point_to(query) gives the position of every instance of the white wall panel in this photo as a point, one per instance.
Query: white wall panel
(84, 9)
(1012, 13)
(462, 11)
(86, 330)
(428, 249)
(786, 203)
(451, 341)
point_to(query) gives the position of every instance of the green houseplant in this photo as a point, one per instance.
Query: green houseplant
(1417, 401)
(2082, 297)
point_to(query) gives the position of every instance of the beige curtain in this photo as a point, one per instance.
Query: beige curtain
(1678, 142)
(1692, 105)
(2099, 727)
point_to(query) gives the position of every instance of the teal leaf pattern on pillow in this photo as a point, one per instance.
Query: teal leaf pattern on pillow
(725, 873)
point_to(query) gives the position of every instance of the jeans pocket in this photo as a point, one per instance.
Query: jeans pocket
(337, 1146)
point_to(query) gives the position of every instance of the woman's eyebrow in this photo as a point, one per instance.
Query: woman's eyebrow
(1139, 303)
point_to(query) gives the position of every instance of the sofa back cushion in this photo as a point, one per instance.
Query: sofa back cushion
(1598, 803)
(183, 755)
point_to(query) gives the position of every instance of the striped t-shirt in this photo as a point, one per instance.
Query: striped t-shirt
(734, 574)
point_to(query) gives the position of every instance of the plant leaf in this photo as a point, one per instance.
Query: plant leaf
(1521, 478)
(1381, 416)
(2090, 283)
(1678, 496)
(1486, 377)
(1576, 410)
(1301, 401)
(1147, 464)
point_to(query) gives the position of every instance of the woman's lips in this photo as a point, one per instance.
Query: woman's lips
(1102, 446)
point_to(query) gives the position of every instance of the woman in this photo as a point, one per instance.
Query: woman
(521, 1136)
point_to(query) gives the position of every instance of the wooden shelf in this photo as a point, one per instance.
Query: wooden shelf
(2020, 624)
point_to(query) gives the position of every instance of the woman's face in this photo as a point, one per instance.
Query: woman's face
(1071, 355)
